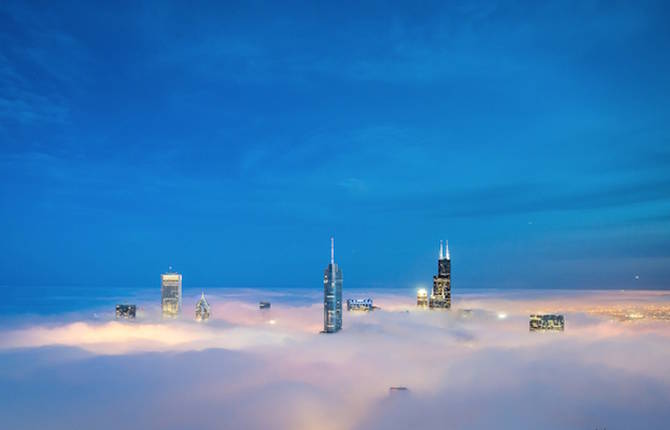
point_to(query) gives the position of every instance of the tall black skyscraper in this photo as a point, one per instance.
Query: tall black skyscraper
(441, 295)
(332, 294)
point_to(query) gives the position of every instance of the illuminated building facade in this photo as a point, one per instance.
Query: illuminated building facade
(440, 298)
(547, 322)
(126, 311)
(332, 294)
(360, 305)
(202, 309)
(422, 298)
(171, 293)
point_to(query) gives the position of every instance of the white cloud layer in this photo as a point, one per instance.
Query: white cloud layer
(463, 370)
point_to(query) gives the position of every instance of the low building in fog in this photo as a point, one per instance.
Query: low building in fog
(360, 304)
(264, 305)
(398, 390)
(540, 322)
(126, 312)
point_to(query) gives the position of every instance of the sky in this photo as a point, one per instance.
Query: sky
(252, 369)
(232, 140)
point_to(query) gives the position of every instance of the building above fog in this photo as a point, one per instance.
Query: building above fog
(441, 295)
(171, 293)
(422, 298)
(360, 304)
(332, 294)
(126, 311)
(202, 309)
(548, 322)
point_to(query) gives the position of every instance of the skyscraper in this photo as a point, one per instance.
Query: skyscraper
(171, 293)
(332, 294)
(422, 298)
(202, 309)
(441, 295)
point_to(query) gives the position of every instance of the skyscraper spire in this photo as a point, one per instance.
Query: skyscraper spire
(441, 250)
(332, 250)
(446, 251)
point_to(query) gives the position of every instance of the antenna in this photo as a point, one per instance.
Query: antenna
(441, 250)
(332, 250)
(447, 251)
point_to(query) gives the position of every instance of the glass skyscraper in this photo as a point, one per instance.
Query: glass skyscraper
(332, 294)
(171, 293)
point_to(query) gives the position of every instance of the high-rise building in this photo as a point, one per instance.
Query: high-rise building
(202, 309)
(441, 295)
(332, 294)
(171, 293)
(422, 298)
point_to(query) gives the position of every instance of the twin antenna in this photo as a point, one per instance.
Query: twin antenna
(444, 254)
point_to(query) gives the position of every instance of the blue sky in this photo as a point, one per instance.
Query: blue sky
(232, 140)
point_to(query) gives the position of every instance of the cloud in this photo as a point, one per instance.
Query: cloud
(463, 369)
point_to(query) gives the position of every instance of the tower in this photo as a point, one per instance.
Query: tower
(202, 309)
(332, 294)
(441, 295)
(171, 293)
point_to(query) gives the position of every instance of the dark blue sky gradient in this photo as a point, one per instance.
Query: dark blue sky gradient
(232, 140)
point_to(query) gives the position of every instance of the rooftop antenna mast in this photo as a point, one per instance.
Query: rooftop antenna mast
(332, 250)
(441, 255)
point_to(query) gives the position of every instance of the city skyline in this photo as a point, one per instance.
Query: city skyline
(171, 172)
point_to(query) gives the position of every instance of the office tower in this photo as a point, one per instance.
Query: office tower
(547, 322)
(422, 298)
(202, 309)
(126, 311)
(441, 295)
(360, 304)
(332, 294)
(171, 293)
